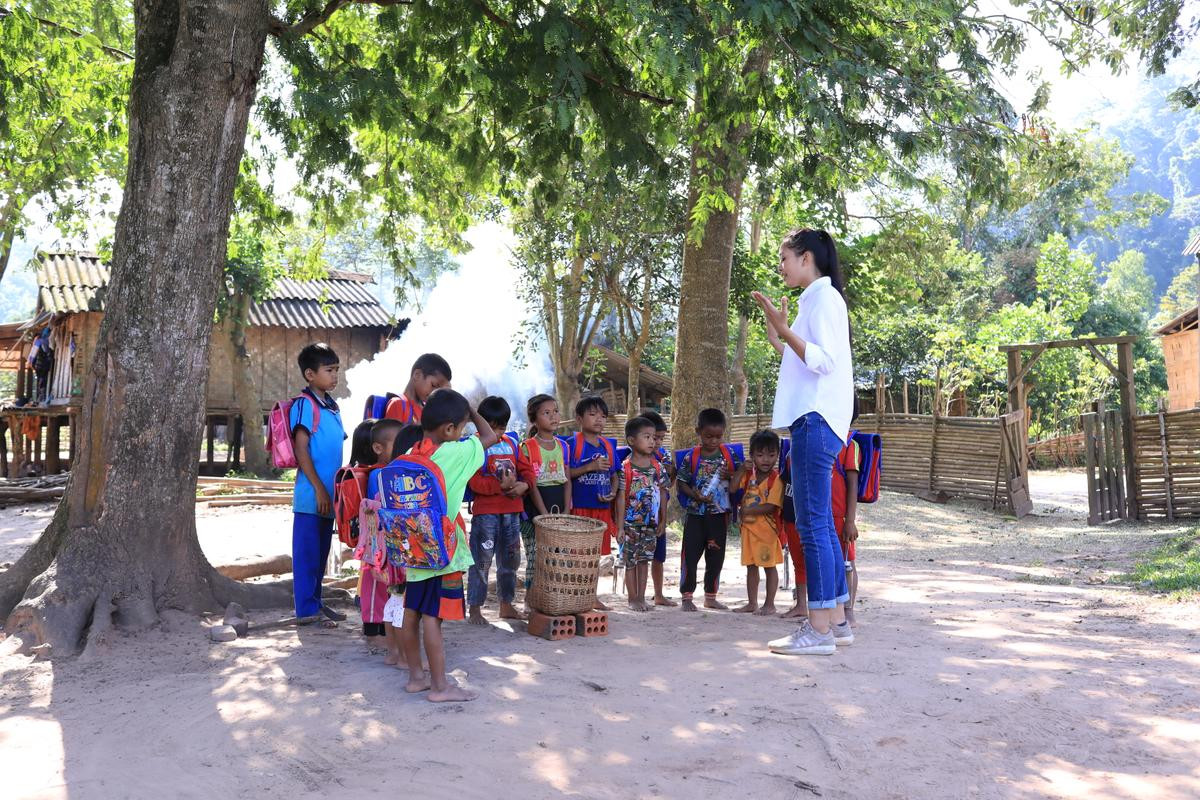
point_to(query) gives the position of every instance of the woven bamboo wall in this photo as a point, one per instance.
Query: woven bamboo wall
(1183, 380)
(1167, 455)
(740, 429)
(960, 456)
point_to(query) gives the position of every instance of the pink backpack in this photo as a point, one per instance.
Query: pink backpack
(279, 432)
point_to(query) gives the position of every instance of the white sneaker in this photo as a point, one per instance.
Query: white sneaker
(842, 634)
(804, 641)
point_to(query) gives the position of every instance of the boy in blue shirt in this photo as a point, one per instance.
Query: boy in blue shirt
(592, 468)
(317, 436)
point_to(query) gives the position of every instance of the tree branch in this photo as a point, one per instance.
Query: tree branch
(116, 52)
(316, 18)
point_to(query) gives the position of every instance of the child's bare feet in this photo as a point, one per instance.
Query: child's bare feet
(688, 605)
(451, 694)
(768, 610)
(420, 683)
(475, 616)
(662, 600)
(850, 617)
(749, 608)
(600, 606)
(391, 659)
(509, 611)
(794, 611)
(715, 604)
(641, 605)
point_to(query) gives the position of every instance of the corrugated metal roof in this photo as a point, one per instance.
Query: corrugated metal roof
(71, 282)
(75, 282)
(1193, 247)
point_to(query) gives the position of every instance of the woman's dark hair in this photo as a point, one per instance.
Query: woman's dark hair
(531, 410)
(408, 436)
(361, 453)
(444, 407)
(824, 253)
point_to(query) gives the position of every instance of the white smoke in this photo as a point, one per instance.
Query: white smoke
(472, 318)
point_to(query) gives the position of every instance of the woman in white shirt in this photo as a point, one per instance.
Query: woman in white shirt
(815, 400)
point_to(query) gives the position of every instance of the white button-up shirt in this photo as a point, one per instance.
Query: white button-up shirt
(823, 381)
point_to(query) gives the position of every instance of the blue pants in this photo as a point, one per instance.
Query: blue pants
(815, 447)
(498, 536)
(311, 538)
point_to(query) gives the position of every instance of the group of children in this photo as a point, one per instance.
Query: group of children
(510, 480)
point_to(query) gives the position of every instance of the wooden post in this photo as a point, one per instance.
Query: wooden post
(1090, 462)
(37, 445)
(1016, 389)
(933, 437)
(18, 446)
(208, 424)
(879, 399)
(72, 427)
(906, 395)
(3, 450)
(21, 379)
(53, 427)
(236, 445)
(1128, 416)
(1166, 460)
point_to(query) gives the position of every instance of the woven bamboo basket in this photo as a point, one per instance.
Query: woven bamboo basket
(567, 563)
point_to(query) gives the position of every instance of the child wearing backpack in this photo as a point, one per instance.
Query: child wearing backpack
(663, 456)
(762, 498)
(436, 594)
(429, 373)
(370, 447)
(315, 425)
(592, 465)
(547, 456)
(844, 502)
(789, 536)
(499, 490)
(704, 481)
(639, 508)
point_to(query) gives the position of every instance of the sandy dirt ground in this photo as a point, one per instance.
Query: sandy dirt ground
(993, 661)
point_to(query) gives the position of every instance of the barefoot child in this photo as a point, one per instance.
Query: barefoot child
(349, 487)
(591, 468)
(499, 489)
(547, 454)
(762, 497)
(845, 510)
(639, 508)
(430, 595)
(317, 435)
(663, 456)
(385, 586)
(704, 481)
(790, 536)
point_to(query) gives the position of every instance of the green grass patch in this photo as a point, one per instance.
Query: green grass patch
(1173, 568)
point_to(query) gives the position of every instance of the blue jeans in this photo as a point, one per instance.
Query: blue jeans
(311, 537)
(814, 449)
(499, 536)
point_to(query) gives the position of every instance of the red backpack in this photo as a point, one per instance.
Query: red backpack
(279, 431)
(534, 451)
(349, 490)
(402, 409)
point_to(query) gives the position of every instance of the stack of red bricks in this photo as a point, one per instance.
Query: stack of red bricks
(566, 626)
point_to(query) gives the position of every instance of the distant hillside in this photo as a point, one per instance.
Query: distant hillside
(1166, 144)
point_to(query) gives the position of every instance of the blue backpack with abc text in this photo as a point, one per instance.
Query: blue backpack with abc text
(414, 517)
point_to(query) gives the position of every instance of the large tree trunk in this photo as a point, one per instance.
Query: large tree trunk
(741, 382)
(232, 337)
(637, 346)
(8, 233)
(701, 378)
(123, 544)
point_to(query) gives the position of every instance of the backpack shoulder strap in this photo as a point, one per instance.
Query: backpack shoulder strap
(577, 450)
(694, 460)
(316, 410)
(728, 455)
(608, 448)
(627, 469)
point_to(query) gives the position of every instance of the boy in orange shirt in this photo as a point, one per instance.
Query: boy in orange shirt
(762, 499)
(845, 511)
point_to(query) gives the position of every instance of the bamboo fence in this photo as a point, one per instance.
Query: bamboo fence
(1167, 464)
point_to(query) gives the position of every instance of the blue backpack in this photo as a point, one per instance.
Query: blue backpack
(376, 405)
(871, 447)
(734, 455)
(414, 518)
(511, 437)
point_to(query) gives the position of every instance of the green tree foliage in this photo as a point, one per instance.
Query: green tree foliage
(64, 81)
(1128, 286)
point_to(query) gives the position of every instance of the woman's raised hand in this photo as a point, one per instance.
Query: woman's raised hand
(776, 316)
